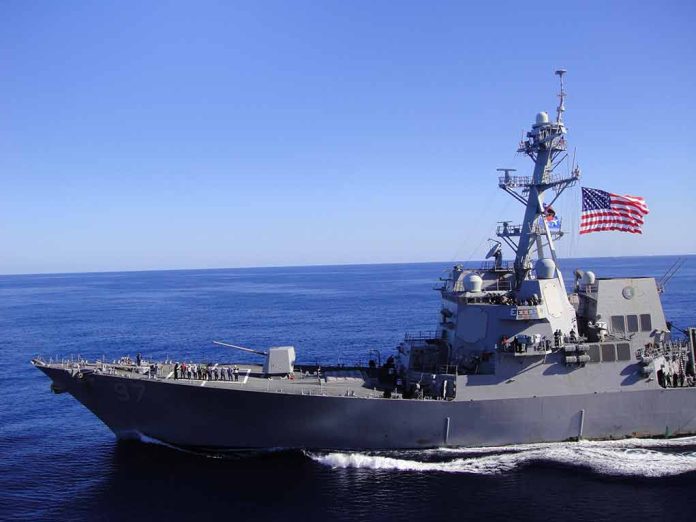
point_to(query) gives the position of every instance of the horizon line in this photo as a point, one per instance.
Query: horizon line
(316, 265)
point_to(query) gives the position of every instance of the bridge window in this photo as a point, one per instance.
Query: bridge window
(645, 323)
(593, 352)
(608, 353)
(623, 350)
(618, 324)
(632, 323)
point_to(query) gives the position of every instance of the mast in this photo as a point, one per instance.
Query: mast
(545, 144)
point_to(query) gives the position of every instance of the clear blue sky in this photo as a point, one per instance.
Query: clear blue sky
(147, 135)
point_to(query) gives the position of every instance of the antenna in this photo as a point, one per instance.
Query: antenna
(495, 248)
(506, 179)
(671, 272)
(561, 106)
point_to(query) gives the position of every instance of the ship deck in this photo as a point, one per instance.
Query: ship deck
(331, 381)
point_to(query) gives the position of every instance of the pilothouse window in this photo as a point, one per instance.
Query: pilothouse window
(594, 353)
(617, 324)
(623, 351)
(608, 353)
(645, 323)
(632, 322)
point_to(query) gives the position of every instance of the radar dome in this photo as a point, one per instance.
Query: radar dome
(473, 283)
(588, 278)
(545, 269)
(542, 118)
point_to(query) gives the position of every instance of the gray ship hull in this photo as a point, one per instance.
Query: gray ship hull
(188, 415)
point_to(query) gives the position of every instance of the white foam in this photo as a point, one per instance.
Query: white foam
(621, 443)
(631, 457)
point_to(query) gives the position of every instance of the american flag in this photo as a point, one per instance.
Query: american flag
(606, 211)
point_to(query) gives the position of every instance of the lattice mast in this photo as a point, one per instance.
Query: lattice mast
(545, 144)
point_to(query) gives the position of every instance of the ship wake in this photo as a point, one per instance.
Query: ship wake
(631, 457)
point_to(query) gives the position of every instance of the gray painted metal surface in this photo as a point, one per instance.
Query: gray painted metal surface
(228, 418)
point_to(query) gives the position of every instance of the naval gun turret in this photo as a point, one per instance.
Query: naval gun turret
(278, 360)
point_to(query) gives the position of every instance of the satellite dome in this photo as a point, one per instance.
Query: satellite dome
(473, 283)
(588, 278)
(545, 269)
(542, 118)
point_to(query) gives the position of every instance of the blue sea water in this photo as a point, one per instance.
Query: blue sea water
(57, 461)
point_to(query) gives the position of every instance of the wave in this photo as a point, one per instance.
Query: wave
(630, 457)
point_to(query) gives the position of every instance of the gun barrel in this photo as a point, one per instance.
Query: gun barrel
(257, 352)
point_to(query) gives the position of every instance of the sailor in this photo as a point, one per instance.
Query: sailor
(557, 338)
(236, 372)
(537, 340)
(138, 359)
(668, 377)
(176, 371)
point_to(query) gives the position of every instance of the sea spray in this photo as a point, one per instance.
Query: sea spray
(631, 457)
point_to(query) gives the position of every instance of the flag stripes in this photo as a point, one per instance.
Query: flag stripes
(604, 211)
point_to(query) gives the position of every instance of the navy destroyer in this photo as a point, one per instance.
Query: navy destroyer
(516, 357)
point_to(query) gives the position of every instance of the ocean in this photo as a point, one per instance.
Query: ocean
(58, 462)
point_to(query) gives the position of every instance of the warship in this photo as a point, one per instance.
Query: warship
(515, 357)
